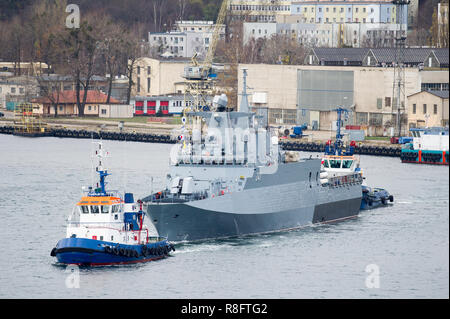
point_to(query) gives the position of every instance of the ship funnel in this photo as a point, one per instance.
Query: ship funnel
(129, 199)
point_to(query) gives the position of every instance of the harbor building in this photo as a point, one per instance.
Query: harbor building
(428, 109)
(66, 104)
(155, 77)
(10, 90)
(308, 94)
(327, 23)
(15, 90)
(22, 68)
(327, 34)
(259, 10)
(162, 76)
(186, 39)
(436, 58)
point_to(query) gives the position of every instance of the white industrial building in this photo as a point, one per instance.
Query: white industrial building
(187, 38)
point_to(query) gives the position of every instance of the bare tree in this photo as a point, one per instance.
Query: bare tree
(181, 7)
(82, 49)
(133, 49)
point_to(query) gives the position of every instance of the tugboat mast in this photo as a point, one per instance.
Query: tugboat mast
(101, 186)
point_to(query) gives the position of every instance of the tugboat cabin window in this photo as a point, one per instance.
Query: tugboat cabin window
(94, 210)
(105, 209)
(85, 209)
(335, 163)
(347, 164)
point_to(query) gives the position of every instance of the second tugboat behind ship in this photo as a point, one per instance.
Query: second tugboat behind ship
(106, 229)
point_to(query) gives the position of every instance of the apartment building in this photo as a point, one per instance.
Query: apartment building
(186, 39)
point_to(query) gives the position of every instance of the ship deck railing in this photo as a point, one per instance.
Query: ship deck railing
(345, 180)
(169, 198)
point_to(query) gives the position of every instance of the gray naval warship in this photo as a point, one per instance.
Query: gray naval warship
(228, 177)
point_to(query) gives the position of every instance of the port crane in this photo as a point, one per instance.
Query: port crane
(200, 76)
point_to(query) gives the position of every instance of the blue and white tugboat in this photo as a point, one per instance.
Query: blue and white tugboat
(341, 161)
(106, 229)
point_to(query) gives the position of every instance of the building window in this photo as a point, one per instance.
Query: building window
(138, 70)
(139, 84)
(149, 70)
(13, 90)
(379, 103)
(104, 111)
(435, 109)
(414, 108)
(90, 108)
(362, 118)
(21, 90)
(424, 109)
(387, 101)
(148, 85)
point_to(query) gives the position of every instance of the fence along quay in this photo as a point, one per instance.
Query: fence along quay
(167, 139)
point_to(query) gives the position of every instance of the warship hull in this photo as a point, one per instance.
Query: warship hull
(289, 199)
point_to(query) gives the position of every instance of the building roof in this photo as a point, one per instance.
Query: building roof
(340, 54)
(70, 97)
(69, 78)
(410, 55)
(441, 94)
(441, 55)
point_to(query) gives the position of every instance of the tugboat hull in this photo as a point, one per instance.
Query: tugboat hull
(91, 252)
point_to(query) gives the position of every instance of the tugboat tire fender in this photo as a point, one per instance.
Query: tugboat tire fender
(144, 250)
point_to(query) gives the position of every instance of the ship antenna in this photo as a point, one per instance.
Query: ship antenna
(100, 155)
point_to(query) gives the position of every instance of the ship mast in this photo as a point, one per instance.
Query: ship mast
(100, 154)
(399, 68)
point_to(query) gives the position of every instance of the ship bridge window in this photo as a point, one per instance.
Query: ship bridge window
(335, 163)
(115, 208)
(94, 209)
(85, 209)
(105, 209)
(347, 164)
(325, 164)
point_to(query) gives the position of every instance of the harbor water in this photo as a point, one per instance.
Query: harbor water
(401, 251)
